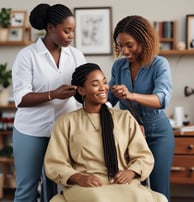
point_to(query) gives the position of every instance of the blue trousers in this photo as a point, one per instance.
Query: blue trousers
(160, 139)
(29, 154)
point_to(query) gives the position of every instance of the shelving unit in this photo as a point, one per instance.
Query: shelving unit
(177, 52)
(167, 31)
(25, 40)
(6, 161)
(171, 41)
(15, 43)
(170, 49)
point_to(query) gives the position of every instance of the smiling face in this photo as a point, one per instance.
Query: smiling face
(128, 46)
(94, 91)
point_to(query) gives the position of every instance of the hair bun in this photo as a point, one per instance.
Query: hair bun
(38, 16)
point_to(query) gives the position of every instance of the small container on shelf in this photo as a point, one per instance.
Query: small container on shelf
(186, 121)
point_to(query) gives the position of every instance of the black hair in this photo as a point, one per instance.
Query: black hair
(80, 75)
(43, 14)
(110, 155)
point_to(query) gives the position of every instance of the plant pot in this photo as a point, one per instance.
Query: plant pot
(4, 96)
(3, 34)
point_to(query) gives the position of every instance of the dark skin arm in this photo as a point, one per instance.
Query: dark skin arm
(34, 99)
(85, 180)
(122, 92)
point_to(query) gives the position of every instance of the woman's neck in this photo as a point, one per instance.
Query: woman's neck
(53, 49)
(50, 45)
(135, 65)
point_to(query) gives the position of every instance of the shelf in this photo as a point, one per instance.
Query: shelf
(166, 40)
(15, 43)
(7, 132)
(177, 52)
(6, 160)
(10, 106)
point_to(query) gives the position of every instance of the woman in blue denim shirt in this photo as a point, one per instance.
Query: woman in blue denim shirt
(141, 82)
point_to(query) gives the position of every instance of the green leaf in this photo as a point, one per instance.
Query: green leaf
(5, 76)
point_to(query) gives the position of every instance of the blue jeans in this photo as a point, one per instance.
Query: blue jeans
(160, 139)
(29, 154)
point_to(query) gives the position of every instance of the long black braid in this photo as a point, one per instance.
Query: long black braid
(110, 155)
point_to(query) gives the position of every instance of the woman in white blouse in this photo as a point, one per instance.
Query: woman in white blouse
(42, 91)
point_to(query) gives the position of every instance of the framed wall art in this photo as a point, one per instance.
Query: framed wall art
(16, 34)
(93, 34)
(190, 31)
(18, 18)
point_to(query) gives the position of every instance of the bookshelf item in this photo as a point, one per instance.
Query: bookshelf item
(167, 31)
(190, 31)
(18, 18)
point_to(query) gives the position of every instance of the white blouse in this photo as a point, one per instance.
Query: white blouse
(34, 70)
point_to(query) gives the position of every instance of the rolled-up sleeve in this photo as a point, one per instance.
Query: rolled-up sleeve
(21, 77)
(163, 82)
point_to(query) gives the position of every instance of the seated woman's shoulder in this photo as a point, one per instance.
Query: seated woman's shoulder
(120, 112)
(70, 115)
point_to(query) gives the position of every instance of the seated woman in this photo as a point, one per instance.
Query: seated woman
(98, 154)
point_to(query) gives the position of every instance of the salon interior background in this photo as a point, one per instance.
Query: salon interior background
(182, 67)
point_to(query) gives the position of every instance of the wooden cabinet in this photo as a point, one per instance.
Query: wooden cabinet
(7, 171)
(182, 171)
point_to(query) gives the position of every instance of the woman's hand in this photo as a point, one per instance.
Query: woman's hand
(149, 100)
(124, 177)
(63, 92)
(36, 98)
(121, 92)
(85, 180)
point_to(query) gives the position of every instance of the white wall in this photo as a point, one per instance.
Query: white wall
(182, 67)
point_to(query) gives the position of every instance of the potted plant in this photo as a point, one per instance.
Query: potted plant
(5, 76)
(4, 23)
(5, 82)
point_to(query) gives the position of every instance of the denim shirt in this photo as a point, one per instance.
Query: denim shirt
(152, 79)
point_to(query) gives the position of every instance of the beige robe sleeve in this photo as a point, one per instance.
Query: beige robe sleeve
(57, 160)
(133, 151)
